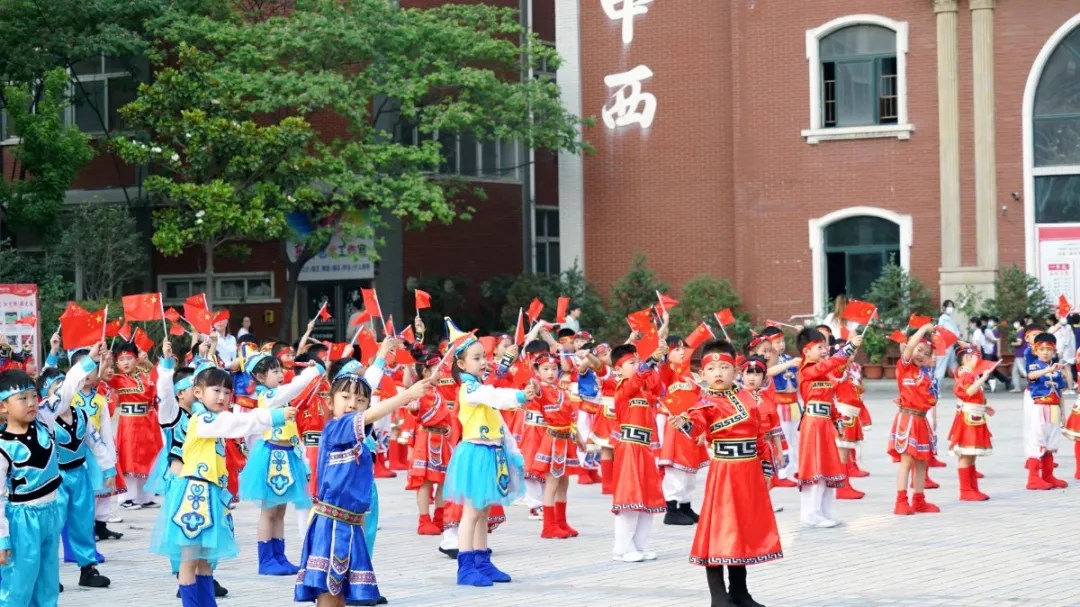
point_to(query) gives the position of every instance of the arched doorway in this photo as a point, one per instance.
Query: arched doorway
(1052, 163)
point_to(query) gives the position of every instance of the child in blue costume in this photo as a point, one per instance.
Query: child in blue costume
(486, 467)
(195, 525)
(29, 494)
(276, 473)
(336, 564)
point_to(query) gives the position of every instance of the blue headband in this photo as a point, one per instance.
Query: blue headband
(48, 384)
(249, 364)
(6, 394)
(350, 371)
(203, 366)
(464, 345)
(184, 384)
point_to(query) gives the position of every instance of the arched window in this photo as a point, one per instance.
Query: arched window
(857, 249)
(1056, 135)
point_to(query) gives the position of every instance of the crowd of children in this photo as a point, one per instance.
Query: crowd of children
(476, 424)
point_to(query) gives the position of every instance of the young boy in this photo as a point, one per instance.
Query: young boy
(680, 455)
(786, 385)
(1042, 412)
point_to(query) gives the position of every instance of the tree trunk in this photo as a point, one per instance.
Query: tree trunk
(208, 248)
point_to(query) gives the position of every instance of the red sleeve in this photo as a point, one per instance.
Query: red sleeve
(822, 369)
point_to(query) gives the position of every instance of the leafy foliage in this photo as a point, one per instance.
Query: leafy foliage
(103, 243)
(635, 290)
(701, 297)
(514, 293)
(54, 291)
(1018, 293)
(898, 295)
(875, 343)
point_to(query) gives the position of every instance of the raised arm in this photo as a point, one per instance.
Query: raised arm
(387, 406)
(497, 398)
(909, 348)
(228, 424)
(166, 394)
(283, 395)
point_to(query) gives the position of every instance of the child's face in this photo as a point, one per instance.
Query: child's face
(765, 350)
(779, 345)
(104, 372)
(548, 373)
(186, 397)
(1045, 352)
(923, 355)
(473, 361)
(287, 357)
(216, 398)
(718, 373)
(580, 343)
(677, 355)
(629, 366)
(20, 408)
(968, 361)
(814, 352)
(272, 378)
(125, 363)
(752, 380)
(349, 400)
(500, 348)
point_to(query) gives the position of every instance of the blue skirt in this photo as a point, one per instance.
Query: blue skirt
(335, 559)
(275, 475)
(160, 475)
(195, 522)
(481, 475)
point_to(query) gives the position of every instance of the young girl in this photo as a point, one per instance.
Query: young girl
(556, 457)
(911, 440)
(138, 438)
(754, 371)
(680, 456)
(486, 467)
(275, 474)
(336, 563)
(737, 527)
(970, 435)
(431, 452)
(195, 527)
(849, 406)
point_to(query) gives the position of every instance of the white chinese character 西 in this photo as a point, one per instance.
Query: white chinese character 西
(629, 104)
(625, 10)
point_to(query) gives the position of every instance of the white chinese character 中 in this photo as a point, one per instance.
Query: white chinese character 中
(625, 10)
(629, 105)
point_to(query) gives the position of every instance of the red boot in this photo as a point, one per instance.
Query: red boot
(919, 504)
(930, 483)
(968, 493)
(607, 476)
(1076, 452)
(974, 476)
(935, 462)
(551, 529)
(439, 518)
(1048, 472)
(427, 527)
(584, 478)
(560, 519)
(902, 507)
(853, 470)
(1036, 482)
(847, 492)
(381, 471)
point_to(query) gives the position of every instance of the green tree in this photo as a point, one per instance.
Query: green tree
(103, 247)
(1017, 293)
(382, 74)
(703, 296)
(898, 295)
(636, 290)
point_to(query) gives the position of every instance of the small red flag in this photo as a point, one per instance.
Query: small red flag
(984, 365)
(666, 303)
(648, 343)
(387, 388)
(371, 302)
(943, 339)
(29, 320)
(176, 329)
(198, 300)
(680, 401)
(360, 319)
(408, 335)
(220, 316)
(335, 351)
(73, 309)
(519, 332)
(899, 337)
(388, 328)
(368, 346)
(144, 307)
(82, 330)
(698, 336)
(918, 322)
(423, 300)
(125, 332)
(172, 314)
(324, 312)
(488, 342)
(640, 321)
(143, 341)
(1063, 308)
(844, 333)
(523, 372)
(561, 309)
(535, 308)
(199, 318)
(725, 317)
(859, 312)
(404, 356)
(112, 328)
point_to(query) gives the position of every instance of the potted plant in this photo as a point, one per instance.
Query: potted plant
(874, 344)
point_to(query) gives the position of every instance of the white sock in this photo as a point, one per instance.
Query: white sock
(626, 523)
(303, 515)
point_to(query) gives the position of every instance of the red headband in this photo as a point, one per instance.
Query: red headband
(568, 339)
(285, 351)
(125, 356)
(754, 365)
(624, 358)
(544, 358)
(756, 341)
(723, 357)
(598, 350)
(812, 344)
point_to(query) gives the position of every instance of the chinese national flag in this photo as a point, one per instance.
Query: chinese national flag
(199, 318)
(918, 322)
(143, 341)
(943, 339)
(198, 300)
(335, 351)
(324, 313)
(408, 335)
(680, 401)
(73, 309)
(523, 372)
(488, 342)
(368, 346)
(404, 356)
(125, 332)
(899, 337)
(984, 365)
(29, 320)
(82, 330)
(112, 328)
(561, 309)
(649, 342)
(388, 328)
(371, 302)
(423, 300)
(519, 332)
(844, 333)
(176, 329)
(387, 387)
(360, 319)
(698, 336)
(1063, 308)
(144, 307)
(666, 303)
(172, 314)
(640, 321)
(725, 317)
(535, 308)
(859, 312)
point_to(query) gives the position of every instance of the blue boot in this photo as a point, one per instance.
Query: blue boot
(268, 563)
(189, 595)
(490, 571)
(467, 573)
(205, 585)
(279, 556)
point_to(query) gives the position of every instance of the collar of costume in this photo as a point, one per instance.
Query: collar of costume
(712, 357)
(468, 378)
(249, 364)
(48, 384)
(184, 384)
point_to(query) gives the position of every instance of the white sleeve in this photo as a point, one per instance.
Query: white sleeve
(283, 395)
(5, 534)
(235, 425)
(166, 396)
(373, 375)
(72, 383)
(496, 398)
(105, 457)
(106, 431)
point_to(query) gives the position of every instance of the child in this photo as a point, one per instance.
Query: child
(1042, 413)
(754, 371)
(849, 406)
(92, 398)
(737, 527)
(680, 456)
(195, 526)
(820, 468)
(431, 452)
(970, 436)
(911, 440)
(138, 438)
(786, 384)
(336, 563)
(486, 467)
(533, 430)
(556, 457)
(1071, 430)
(275, 474)
(175, 396)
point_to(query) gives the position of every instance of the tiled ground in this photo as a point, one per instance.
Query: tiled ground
(1019, 549)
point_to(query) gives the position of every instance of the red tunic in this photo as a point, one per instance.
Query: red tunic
(770, 416)
(636, 477)
(557, 452)
(604, 429)
(1071, 429)
(849, 406)
(970, 434)
(312, 411)
(138, 435)
(819, 459)
(678, 450)
(431, 448)
(534, 428)
(911, 433)
(737, 525)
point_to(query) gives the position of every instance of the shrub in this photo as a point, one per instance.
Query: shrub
(703, 296)
(898, 295)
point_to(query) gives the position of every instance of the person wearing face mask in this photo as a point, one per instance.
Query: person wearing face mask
(947, 360)
(1019, 347)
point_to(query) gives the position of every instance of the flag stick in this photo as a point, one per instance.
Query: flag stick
(722, 328)
(660, 299)
(164, 325)
(868, 322)
(105, 323)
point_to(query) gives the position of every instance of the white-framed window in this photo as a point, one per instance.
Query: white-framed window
(463, 155)
(99, 88)
(546, 239)
(858, 79)
(229, 287)
(544, 70)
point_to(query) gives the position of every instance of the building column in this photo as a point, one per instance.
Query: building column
(948, 131)
(982, 46)
(571, 166)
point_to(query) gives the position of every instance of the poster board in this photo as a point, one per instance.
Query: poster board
(19, 301)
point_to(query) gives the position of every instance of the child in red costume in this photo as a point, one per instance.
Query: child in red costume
(969, 436)
(431, 451)
(532, 433)
(681, 456)
(911, 439)
(849, 405)
(737, 527)
(138, 436)
(820, 468)
(754, 371)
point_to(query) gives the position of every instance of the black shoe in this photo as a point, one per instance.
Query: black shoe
(717, 592)
(452, 552)
(150, 504)
(674, 517)
(102, 532)
(90, 578)
(688, 511)
(382, 600)
(740, 596)
(61, 587)
(130, 505)
(219, 590)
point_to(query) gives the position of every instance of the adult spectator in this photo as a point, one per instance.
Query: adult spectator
(226, 344)
(1019, 347)
(573, 318)
(353, 327)
(1066, 348)
(990, 351)
(947, 360)
(245, 327)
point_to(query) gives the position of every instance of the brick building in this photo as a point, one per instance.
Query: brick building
(795, 147)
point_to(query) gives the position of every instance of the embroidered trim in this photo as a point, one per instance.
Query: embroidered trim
(753, 560)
